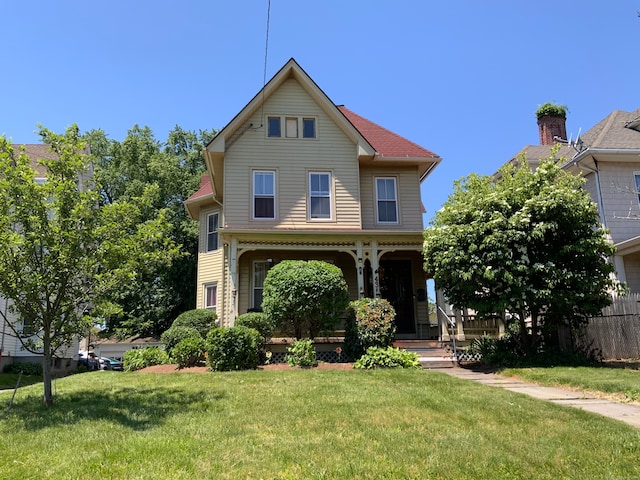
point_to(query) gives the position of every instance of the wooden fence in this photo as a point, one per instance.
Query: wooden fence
(616, 333)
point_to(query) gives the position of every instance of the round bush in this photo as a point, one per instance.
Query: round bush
(235, 348)
(202, 319)
(370, 322)
(257, 321)
(305, 298)
(176, 334)
(188, 352)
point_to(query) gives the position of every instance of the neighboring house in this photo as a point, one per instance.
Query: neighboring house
(608, 156)
(116, 348)
(294, 176)
(10, 347)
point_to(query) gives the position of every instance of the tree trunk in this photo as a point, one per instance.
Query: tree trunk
(46, 367)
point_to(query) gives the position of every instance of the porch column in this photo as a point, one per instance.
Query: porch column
(460, 316)
(233, 282)
(359, 267)
(443, 321)
(375, 266)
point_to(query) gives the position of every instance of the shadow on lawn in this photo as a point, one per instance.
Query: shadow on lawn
(137, 409)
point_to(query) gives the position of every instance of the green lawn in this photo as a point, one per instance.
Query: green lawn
(621, 383)
(303, 424)
(10, 380)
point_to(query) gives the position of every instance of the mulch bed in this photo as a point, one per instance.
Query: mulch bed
(173, 368)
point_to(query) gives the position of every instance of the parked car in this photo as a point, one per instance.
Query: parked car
(90, 362)
(107, 363)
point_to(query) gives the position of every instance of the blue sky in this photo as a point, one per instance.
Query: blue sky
(462, 78)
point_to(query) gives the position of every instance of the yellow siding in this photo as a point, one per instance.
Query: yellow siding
(210, 265)
(409, 202)
(292, 159)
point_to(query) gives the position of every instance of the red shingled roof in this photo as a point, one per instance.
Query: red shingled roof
(385, 142)
(205, 189)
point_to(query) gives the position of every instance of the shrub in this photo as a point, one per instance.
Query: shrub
(258, 321)
(235, 348)
(305, 298)
(175, 335)
(144, 357)
(389, 357)
(27, 368)
(188, 352)
(369, 323)
(202, 319)
(301, 354)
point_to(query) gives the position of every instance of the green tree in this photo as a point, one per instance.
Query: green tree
(173, 168)
(530, 244)
(305, 297)
(62, 253)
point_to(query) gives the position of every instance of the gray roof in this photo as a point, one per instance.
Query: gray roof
(618, 130)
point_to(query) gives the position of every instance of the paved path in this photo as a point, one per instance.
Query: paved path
(624, 412)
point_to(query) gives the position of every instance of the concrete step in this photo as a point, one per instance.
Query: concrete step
(431, 353)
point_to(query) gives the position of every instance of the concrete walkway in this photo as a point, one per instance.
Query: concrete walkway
(624, 412)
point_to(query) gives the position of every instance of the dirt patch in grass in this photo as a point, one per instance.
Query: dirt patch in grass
(173, 368)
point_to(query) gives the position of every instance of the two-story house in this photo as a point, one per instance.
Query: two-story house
(294, 176)
(608, 156)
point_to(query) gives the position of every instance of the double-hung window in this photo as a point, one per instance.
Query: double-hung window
(264, 194)
(211, 296)
(212, 231)
(386, 200)
(636, 176)
(320, 195)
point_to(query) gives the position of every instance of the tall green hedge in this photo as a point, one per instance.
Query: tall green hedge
(305, 298)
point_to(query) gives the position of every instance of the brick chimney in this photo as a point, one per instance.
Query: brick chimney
(550, 126)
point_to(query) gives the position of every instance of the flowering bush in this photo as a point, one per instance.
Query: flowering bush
(370, 322)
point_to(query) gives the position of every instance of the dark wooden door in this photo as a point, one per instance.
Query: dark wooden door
(396, 286)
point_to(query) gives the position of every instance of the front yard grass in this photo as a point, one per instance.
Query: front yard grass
(303, 424)
(9, 380)
(621, 384)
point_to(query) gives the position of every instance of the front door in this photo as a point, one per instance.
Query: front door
(396, 286)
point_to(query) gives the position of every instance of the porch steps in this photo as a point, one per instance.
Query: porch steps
(431, 353)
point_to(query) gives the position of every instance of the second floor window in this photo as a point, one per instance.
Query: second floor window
(386, 200)
(212, 231)
(636, 176)
(264, 196)
(320, 195)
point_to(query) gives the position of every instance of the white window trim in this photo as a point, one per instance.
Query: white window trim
(253, 194)
(331, 196)
(377, 212)
(206, 240)
(300, 127)
(636, 185)
(207, 286)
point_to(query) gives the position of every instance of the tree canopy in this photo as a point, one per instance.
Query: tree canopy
(171, 170)
(63, 254)
(530, 244)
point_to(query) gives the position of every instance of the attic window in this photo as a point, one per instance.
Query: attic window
(294, 127)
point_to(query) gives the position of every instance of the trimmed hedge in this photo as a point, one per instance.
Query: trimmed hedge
(235, 348)
(258, 321)
(202, 319)
(175, 335)
(188, 352)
